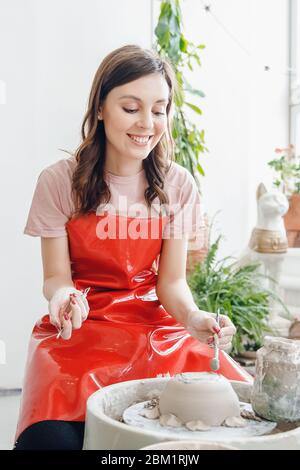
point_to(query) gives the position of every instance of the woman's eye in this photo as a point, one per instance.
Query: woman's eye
(134, 110)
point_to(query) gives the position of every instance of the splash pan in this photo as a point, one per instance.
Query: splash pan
(105, 429)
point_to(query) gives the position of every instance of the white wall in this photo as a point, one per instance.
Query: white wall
(245, 110)
(50, 50)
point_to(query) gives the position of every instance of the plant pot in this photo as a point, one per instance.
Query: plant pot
(248, 354)
(198, 254)
(294, 332)
(292, 221)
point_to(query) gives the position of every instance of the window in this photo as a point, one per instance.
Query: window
(294, 75)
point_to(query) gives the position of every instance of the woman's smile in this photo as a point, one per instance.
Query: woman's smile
(140, 141)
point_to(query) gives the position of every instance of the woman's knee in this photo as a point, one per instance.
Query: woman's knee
(52, 435)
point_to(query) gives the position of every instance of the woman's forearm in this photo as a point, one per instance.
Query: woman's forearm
(177, 299)
(55, 282)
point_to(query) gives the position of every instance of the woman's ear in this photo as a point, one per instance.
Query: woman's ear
(100, 117)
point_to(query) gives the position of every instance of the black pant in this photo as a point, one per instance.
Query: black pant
(52, 435)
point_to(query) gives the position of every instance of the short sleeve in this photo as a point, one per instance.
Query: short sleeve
(47, 217)
(186, 215)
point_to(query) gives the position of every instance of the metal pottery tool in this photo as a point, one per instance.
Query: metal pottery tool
(215, 363)
(68, 308)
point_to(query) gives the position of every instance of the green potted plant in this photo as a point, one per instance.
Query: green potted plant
(238, 292)
(189, 140)
(171, 43)
(287, 179)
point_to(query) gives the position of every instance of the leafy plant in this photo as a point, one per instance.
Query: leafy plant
(171, 43)
(287, 167)
(238, 292)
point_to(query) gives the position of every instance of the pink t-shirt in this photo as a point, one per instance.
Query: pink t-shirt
(52, 205)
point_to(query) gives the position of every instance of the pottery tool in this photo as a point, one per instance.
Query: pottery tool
(68, 308)
(215, 363)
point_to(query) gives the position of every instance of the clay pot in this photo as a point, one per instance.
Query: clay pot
(196, 397)
(275, 393)
(292, 221)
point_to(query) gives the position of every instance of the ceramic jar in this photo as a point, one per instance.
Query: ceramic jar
(276, 389)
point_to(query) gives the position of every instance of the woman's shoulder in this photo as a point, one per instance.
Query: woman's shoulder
(177, 177)
(55, 182)
(61, 169)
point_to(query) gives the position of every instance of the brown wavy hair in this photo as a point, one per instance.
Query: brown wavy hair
(121, 66)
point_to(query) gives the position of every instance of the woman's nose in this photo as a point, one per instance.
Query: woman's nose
(146, 121)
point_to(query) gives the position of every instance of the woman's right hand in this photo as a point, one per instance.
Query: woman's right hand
(68, 308)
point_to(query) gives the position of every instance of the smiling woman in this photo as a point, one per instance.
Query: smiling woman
(122, 329)
(134, 121)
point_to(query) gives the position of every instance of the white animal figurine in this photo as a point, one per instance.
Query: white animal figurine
(269, 234)
(268, 245)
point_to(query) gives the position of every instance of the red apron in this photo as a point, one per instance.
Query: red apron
(128, 334)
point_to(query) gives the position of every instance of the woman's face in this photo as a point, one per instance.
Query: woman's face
(135, 117)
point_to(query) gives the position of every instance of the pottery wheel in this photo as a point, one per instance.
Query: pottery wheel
(132, 417)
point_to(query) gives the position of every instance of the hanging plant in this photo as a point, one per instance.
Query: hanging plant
(171, 43)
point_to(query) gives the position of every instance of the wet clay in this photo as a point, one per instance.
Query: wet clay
(199, 400)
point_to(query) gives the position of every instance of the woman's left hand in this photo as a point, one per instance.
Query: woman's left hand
(226, 333)
(202, 326)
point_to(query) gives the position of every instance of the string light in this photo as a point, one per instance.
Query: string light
(263, 67)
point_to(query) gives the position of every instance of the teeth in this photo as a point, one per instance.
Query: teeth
(141, 140)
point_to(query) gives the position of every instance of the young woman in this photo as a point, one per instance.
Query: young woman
(106, 216)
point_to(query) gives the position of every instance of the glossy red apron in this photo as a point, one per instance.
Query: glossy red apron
(128, 334)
